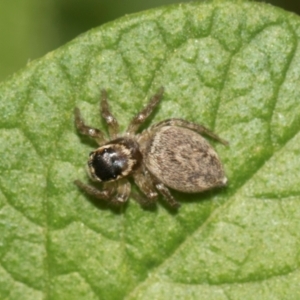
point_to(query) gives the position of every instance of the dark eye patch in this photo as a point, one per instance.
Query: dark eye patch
(107, 165)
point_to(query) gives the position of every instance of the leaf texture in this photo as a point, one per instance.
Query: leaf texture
(231, 65)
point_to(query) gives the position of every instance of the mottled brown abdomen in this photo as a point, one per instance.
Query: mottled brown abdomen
(183, 160)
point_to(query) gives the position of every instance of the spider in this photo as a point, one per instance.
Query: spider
(168, 154)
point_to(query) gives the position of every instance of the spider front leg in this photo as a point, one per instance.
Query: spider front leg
(87, 130)
(104, 194)
(111, 121)
(122, 193)
(145, 113)
(109, 193)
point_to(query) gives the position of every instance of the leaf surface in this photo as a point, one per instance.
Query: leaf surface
(233, 66)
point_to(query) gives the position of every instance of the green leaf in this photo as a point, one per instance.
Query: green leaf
(231, 65)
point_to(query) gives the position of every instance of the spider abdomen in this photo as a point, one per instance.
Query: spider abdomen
(183, 160)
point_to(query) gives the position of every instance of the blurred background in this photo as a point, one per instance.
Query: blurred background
(29, 29)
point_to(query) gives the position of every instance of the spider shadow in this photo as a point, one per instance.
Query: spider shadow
(136, 196)
(198, 197)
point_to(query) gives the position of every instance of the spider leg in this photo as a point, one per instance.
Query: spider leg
(149, 186)
(189, 125)
(145, 112)
(93, 191)
(122, 193)
(144, 182)
(111, 121)
(87, 130)
(167, 195)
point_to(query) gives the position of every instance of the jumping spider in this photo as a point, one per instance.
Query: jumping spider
(169, 154)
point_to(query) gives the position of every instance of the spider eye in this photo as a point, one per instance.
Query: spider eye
(107, 164)
(114, 160)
